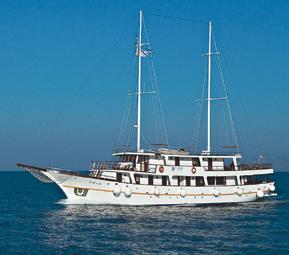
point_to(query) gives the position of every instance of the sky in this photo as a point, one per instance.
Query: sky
(66, 68)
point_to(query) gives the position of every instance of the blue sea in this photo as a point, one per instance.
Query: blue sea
(34, 219)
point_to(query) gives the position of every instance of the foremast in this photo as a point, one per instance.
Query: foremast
(139, 53)
(209, 89)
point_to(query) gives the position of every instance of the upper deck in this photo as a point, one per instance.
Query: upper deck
(151, 161)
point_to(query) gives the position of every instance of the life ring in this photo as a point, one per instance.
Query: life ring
(161, 169)
(194, 170)
(80, 192)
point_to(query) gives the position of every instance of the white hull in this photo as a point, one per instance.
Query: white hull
(85, 189)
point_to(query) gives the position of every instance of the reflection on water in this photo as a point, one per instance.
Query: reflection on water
(173, 229)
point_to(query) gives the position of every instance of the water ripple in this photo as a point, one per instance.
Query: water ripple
(43, 222)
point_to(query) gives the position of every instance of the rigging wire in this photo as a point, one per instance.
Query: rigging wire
(146, 141)
(155, 110)
(130, 126)
(178, 18)
(226, 126)
(196, 132)
(155, 83)
(93, 70)
(124, 124)
(105, 56)
(226, 93)
(161, 108)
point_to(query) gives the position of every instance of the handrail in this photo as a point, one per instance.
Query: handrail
(102, 165)
(242, 167)
(255, 166)
(117, 165)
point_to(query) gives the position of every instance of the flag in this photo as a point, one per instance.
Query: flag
(144, 53)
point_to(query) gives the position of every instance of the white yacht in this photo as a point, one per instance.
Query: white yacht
(164, 176)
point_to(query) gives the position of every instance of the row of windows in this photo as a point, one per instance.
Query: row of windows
(195, 161)
(165, 181)
(191, 181)
(141, 159)
(216, 180)
(254, 179)
(153, 180)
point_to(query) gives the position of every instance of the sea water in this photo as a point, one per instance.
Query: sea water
(35, 219)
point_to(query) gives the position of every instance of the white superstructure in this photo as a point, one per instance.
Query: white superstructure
(164, 176)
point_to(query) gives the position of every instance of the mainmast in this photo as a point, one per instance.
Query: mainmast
(139, 84)
(209, 89)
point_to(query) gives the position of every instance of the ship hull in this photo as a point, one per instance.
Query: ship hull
(91, 190)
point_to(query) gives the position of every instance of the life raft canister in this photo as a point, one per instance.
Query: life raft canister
(194, 170)
(161, 169)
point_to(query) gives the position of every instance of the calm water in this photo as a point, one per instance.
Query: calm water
(34, 221)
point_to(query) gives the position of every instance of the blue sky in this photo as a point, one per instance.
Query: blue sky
(65, 69)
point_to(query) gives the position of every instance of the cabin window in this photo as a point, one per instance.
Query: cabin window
(248, 179)
(254, 179)
(137, 178)
(188, 181)
(119, 177)
(178, 180)
(164, 180)
(200, 181)
(142, 158)
(231, 180)
(144, 163)
(220, 180)
(211, 180)
(151, 179)
(262, 178)
(177, 161)
(126, 178)
(229, 164)
(196, 162)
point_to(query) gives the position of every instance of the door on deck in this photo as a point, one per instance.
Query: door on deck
(119, 177)
(177, 161)
(210, 164)
(146, 165)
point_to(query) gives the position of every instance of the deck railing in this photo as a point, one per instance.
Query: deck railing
(116, 165)
(255, 166)
(102, 165)
(242, 167)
